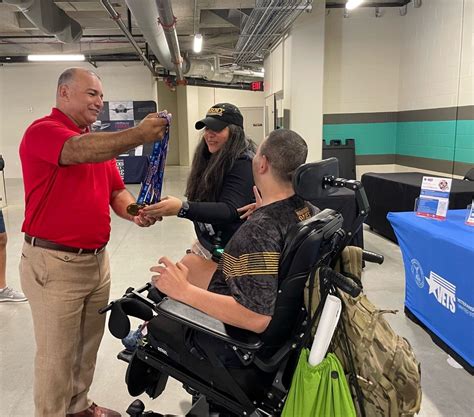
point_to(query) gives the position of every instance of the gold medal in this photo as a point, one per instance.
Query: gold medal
(134, 208)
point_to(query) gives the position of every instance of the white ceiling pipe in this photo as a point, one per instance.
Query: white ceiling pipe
(49, 19)
(145, 13)
(168, 21)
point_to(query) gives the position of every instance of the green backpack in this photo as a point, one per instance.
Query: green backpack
(388, 373)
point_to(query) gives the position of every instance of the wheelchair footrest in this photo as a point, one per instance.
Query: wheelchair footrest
(125, 355)
(137, 409)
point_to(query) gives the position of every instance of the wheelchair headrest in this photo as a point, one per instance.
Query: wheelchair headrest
(308, 178)
(119, 323)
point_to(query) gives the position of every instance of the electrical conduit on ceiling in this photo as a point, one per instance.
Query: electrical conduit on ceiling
(116, 18)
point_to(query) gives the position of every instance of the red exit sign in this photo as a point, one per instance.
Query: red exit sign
(256, 86)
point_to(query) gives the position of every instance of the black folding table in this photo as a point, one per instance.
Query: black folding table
(398, 191)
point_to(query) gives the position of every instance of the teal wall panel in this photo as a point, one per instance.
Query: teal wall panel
(434, 140)
(465, 141)
(370, 138)
(441, 139)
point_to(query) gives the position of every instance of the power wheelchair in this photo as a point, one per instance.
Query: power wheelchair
(194, 348)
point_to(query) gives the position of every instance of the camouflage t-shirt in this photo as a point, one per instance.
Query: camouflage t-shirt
(248, 269)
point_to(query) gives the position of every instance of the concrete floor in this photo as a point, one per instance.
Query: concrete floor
(446, 391)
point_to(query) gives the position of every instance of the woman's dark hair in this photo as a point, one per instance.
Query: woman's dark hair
(208, 170)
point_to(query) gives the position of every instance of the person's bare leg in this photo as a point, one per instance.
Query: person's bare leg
(3, 260)
(7, 294)
(200, 269)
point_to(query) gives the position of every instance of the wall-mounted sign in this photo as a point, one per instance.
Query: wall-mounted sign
(256, 86)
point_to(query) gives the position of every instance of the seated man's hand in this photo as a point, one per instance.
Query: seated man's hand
(171, 278)
(168, 206)
(247, 210)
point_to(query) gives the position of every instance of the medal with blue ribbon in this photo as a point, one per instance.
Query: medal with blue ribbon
(152, 185)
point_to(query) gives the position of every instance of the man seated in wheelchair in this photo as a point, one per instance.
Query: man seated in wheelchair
(243, 290)
(242, 293)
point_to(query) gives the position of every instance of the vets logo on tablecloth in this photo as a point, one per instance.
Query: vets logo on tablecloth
(443, 290)
(417, 272)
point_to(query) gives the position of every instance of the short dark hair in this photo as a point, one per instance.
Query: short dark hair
(68, 75)
(285, 151)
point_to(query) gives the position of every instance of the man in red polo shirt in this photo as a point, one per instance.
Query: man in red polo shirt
(71, 181)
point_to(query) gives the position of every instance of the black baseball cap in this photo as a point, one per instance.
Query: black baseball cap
(221, 115)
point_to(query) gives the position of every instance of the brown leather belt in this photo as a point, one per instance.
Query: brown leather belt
(46, 244)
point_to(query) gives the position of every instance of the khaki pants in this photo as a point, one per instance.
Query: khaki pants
(65, 292)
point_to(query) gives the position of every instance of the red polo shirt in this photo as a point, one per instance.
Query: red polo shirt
(69, 205)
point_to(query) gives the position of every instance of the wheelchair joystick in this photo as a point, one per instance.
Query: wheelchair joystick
(217, 249)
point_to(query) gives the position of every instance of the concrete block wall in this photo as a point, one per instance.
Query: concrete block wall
(412, 104)
(294, 75)
(28, 92)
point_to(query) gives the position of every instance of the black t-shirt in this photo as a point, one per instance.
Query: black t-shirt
(217, 221)
(248, 269)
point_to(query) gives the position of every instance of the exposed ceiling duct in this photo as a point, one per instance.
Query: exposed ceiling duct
(267, 23)
(145, 13)
(49, 18)
(167, 20)
(157, 23)
(208, 68)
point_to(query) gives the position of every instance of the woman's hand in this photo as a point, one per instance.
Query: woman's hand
(250, 208)
(168, 206)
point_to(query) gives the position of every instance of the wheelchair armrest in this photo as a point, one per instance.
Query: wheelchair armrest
(196, 319)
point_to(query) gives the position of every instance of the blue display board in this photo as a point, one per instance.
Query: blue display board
(439, 271)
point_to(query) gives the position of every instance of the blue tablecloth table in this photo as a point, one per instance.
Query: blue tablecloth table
(439, 272)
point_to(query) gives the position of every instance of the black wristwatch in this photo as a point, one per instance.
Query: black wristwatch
(183, 211)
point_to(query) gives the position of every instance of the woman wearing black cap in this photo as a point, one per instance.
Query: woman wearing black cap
(219, 183)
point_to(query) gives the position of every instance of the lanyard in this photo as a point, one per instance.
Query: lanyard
(152, 185)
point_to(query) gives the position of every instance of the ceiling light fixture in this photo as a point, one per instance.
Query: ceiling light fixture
(352, 4)
(56, 58)
(197, 45)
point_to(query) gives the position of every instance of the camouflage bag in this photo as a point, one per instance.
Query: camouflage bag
(388, 373)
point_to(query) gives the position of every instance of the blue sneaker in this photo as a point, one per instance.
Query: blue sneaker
(132, 339)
